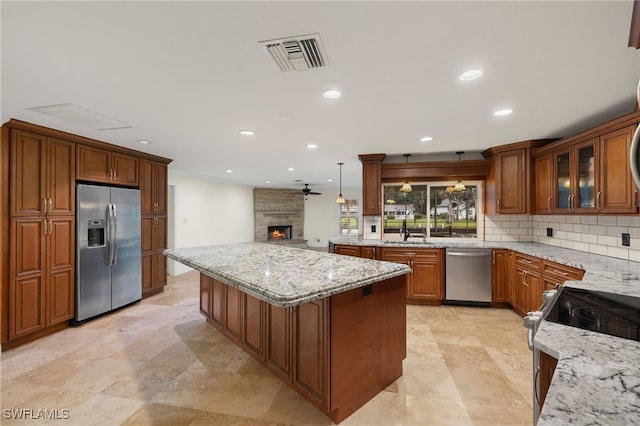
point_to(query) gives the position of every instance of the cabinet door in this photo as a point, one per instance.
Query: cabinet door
(159, 278)
(217, 306)
(233, 313)
(279, 330)
(617, 190)
(160, 187)
(28, 177)
(427, 280)
(368, 252)
(147, 205)
(347, 250)
(511, 188)
(205, 295)
(584, 178)
(61, 174)
(93, 164)
(311, 354)
(563, 182)
(534, 290)
(27, 276)
(60, 289)
(372, 190)
(125, 169)
(520, 292)
(253, 326)
(543, 169)
(501, 274)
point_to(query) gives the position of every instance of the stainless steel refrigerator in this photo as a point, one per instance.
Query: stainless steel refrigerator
(109, 271)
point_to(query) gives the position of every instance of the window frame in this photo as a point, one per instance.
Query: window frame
(349, 200)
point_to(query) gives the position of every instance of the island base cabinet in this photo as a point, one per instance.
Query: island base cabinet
(337, 352)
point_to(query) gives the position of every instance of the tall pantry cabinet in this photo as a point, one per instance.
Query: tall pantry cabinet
(40, 168)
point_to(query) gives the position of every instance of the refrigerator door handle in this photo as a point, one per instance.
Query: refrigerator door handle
(114, 238)
(110, 234)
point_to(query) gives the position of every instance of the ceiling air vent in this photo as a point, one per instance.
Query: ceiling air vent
(297, 53)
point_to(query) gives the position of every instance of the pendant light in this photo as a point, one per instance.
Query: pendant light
(340, 199)
(406, 187)
(459, 185)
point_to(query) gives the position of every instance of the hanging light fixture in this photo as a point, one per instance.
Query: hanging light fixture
(406, 187)
(459, 185)
(340, 199)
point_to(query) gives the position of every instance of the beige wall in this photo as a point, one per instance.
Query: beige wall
(321, 215)
(208, 212)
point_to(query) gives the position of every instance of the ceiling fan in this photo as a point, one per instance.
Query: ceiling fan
(307, 191)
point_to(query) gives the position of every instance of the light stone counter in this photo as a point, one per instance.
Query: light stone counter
(597, 379)
(285, 276)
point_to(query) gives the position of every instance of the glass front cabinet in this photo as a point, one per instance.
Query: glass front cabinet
(575, 176)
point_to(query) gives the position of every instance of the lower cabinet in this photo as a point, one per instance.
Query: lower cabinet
(337, 352)
(425, 283)
(346, 250)
(154, 263)
(528, 284)
(41, 288)
(502, 276)
(547, 368)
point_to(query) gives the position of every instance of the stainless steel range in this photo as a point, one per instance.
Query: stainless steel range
(601, 312)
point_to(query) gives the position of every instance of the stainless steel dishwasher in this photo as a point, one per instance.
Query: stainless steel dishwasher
(468, 276)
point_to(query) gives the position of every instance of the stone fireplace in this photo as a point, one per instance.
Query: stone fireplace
(280, 210)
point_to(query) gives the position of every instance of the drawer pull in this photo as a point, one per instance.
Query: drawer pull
(527, 261)
(410, 253)
(560, 272)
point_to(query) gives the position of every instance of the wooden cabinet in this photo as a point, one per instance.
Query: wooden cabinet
(42, 175)
(544, 189)
(591, 173)
(368, 252)
(511, 182)
(547, 369)
(616, 191)
(528, 284)
(102, 165)
(555, 274)
(502, 276)
(153, 188)
(425, 282)
(153, 202)
(41, 235)
(347, 250)
(371, 184)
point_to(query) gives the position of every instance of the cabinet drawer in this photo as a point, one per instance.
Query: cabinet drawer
(528, 262)
(562, 272)
(415, 254)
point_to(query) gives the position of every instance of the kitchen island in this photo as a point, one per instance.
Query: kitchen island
(332, 327)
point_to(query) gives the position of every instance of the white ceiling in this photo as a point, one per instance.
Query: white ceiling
(188, 75)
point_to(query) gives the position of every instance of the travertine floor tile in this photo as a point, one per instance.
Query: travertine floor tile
(159, 363)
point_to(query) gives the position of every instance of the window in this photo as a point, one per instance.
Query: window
(348, 216)
(432, 210)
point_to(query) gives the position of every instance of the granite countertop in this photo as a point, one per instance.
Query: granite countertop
(597, 379)
(285, 276)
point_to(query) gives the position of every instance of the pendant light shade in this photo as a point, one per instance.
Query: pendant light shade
(340, 199)
(406, 187)
(459, 185)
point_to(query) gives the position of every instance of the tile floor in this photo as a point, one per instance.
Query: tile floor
(159, 362)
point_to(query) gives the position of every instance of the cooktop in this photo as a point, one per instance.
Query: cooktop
(608, 313)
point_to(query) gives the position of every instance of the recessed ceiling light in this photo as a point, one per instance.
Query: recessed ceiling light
(329, 180)
(502, 112)
(331, 94)
(247, 132)
(229, 171)
(312, 146)
(290, 169)
(470, 75)
(426, 139)
(267, 181)
(144, 142)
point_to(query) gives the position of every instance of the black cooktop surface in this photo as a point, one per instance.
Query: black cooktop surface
(608, 313)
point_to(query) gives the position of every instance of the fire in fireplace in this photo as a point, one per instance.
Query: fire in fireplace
(279, 232)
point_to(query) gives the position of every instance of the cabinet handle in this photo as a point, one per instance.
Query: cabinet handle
(498, 205)
(549, 203)
(50, 227)
(115, 174)
(493, 260)
(598, 201)
(409, 253)
(524, 278)
(527, 261)
(573, 198)
(50, 205)
(560, 272)
(569, 202)
(44, 227)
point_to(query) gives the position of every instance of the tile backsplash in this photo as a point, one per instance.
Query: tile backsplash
(593, 234)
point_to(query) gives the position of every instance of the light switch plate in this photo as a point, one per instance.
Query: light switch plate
(626, 239)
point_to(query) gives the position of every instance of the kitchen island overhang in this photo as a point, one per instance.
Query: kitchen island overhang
(332, 327)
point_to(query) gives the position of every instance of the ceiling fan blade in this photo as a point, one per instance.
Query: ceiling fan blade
(315, 193)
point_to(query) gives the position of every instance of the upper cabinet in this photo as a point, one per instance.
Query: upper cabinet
(101, 165)
(508, 183)
(371, 184)
(42, 175)
(590, 172)
(153, 187)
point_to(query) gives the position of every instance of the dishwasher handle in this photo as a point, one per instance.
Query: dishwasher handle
(468, 254)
